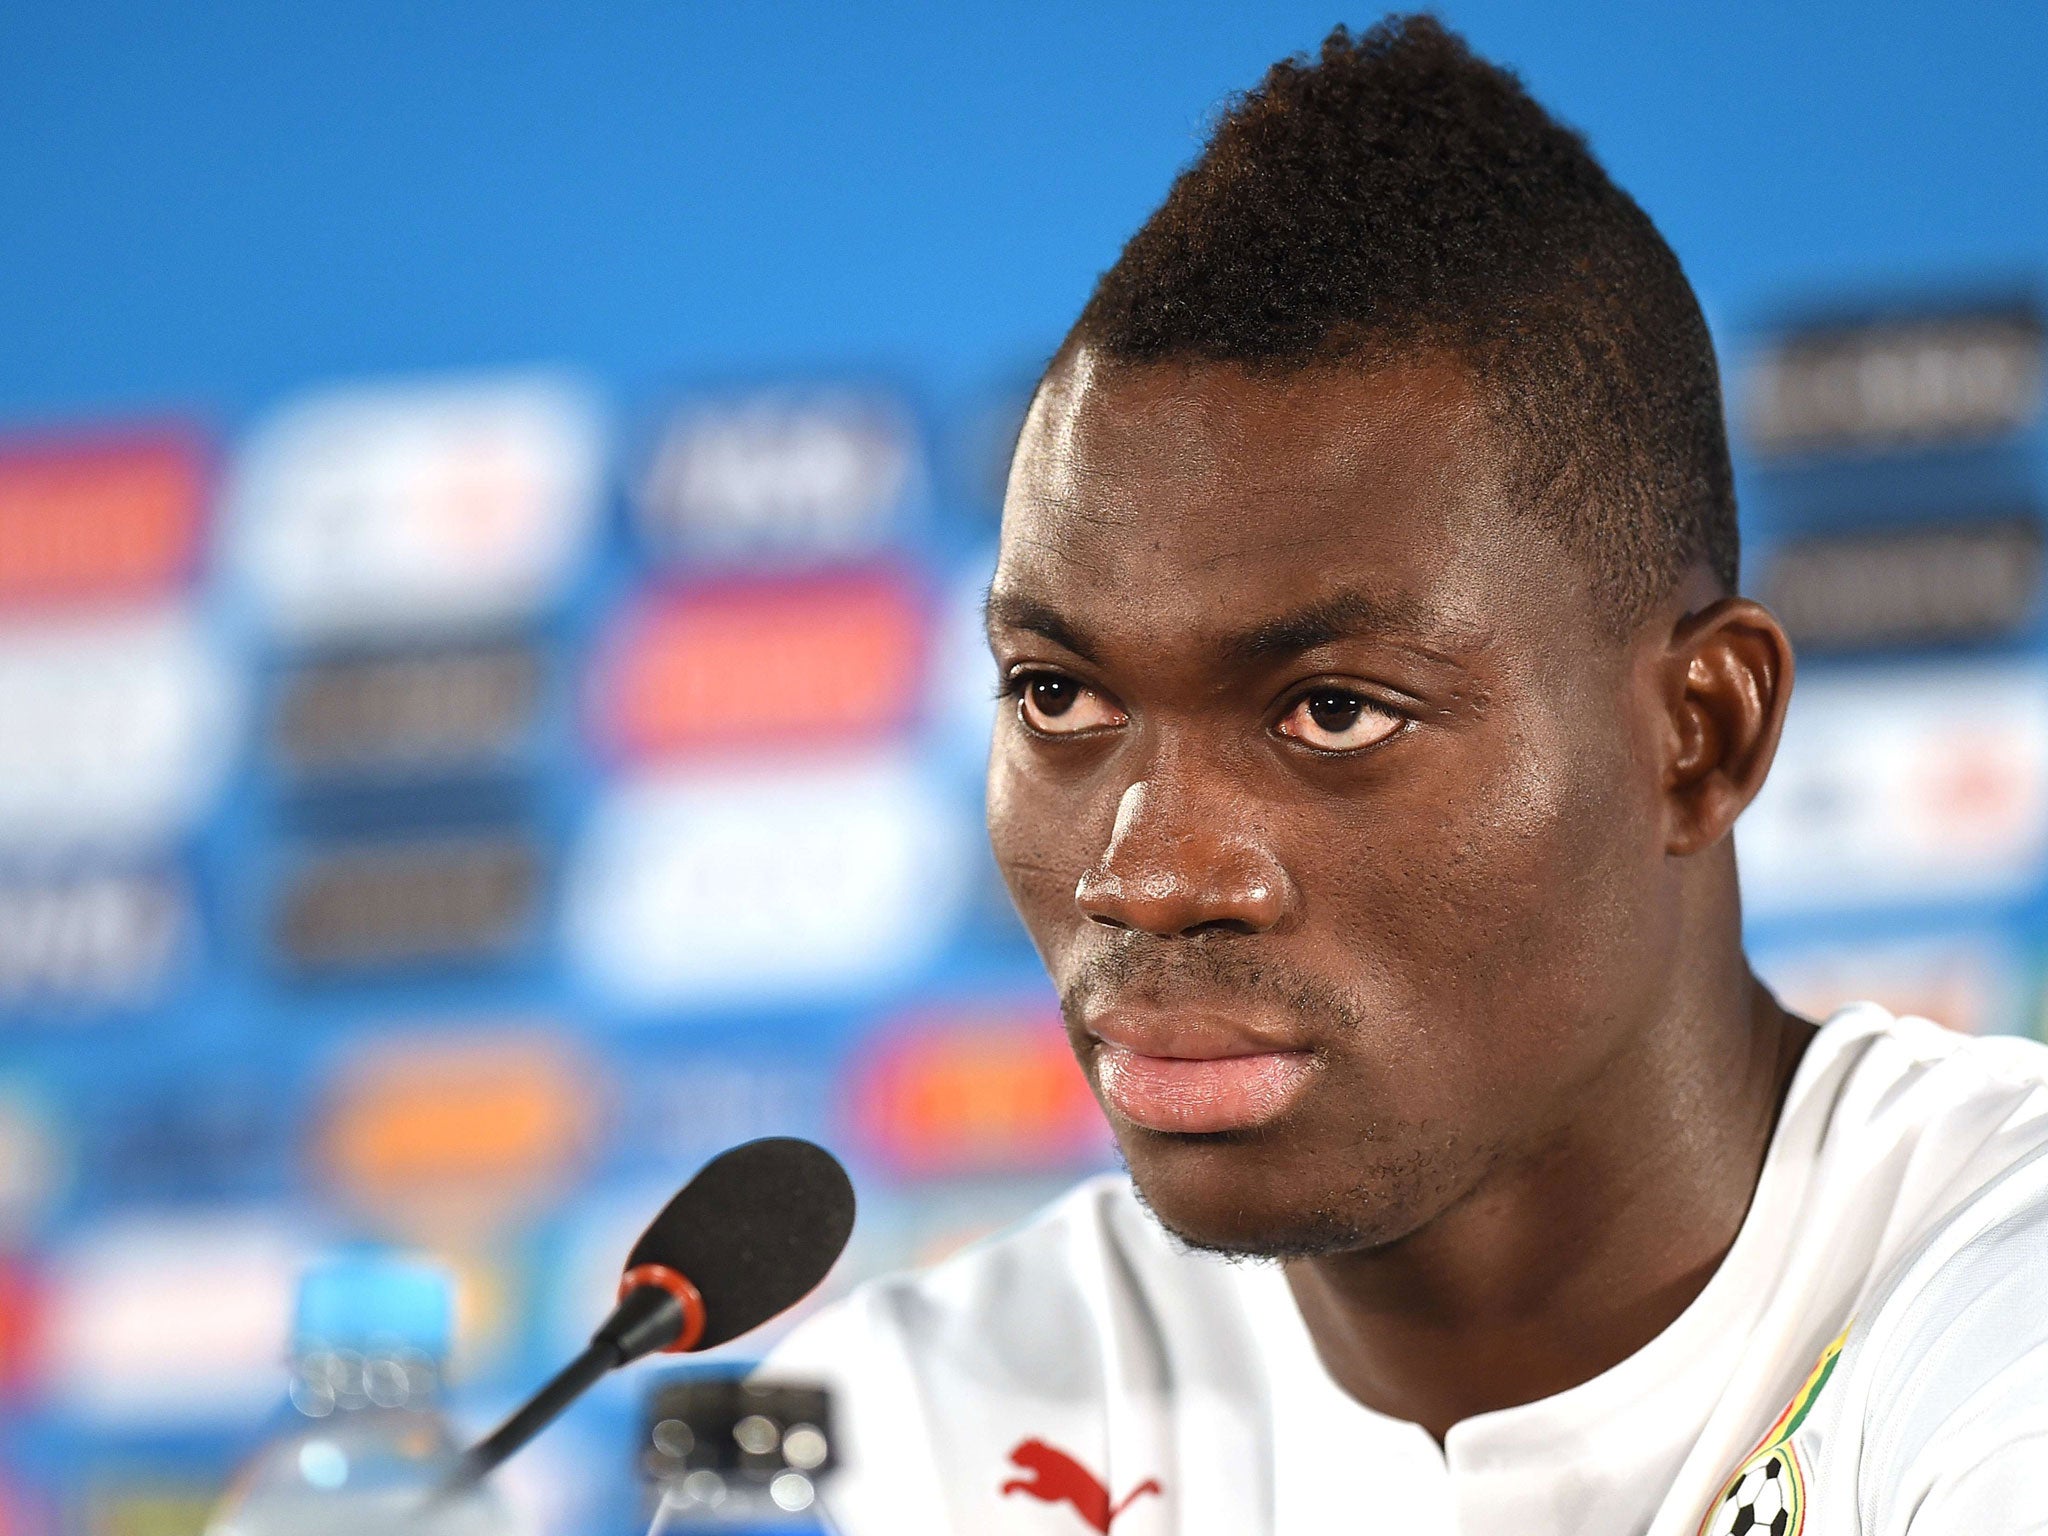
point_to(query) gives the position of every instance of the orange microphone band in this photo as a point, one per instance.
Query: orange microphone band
(678, 1286)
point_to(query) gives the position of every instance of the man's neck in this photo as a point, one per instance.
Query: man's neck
(1565, 1262)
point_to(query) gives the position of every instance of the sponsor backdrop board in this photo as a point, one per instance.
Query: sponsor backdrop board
(444, 805)
(449, 829)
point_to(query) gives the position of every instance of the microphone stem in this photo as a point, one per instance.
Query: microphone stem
(574, 1379)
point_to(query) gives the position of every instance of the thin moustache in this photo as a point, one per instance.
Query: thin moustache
(1191, 1033)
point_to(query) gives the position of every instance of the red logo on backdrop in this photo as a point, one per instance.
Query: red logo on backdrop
(18, 1317)
(1056, 1478)
(800, 664)
(1981, 784)
(92, 517)
(977, 1095)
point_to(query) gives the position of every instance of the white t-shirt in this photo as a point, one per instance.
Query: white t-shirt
(1871, 1358)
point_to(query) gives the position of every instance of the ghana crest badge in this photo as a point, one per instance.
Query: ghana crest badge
(1766, 1495)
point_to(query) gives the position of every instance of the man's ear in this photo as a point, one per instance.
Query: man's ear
(1727, 675)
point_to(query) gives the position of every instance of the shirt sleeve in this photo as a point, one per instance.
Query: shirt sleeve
(1955, 1428)
(2002, 1492)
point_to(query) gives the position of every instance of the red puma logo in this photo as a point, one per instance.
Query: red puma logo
(1057, 1478)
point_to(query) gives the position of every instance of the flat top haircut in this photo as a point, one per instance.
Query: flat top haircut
(1399, 195)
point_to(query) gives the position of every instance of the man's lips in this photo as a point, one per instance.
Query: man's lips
(1192, 1074)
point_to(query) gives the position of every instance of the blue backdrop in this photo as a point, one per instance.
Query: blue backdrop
(492, 504)
(218, 203)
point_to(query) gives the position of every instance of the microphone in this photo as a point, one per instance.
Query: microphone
(750, 1236)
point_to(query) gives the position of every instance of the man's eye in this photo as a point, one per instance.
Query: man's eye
(1335, 720)
(1059, 706)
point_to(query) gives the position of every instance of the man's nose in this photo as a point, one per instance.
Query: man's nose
(1176, 865)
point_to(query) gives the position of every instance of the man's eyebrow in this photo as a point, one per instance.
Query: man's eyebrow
(1009, 610)
(1342, 617)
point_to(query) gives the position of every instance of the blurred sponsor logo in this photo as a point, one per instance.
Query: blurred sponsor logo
(171, 1318)
(976, 1095)
(442, 900)
(801, 665)
(1897, 383)
(20, 1314)
(684, 1111)
(1927, 585)
(450, 1133)
(86, 940)
(35, 1164)
(1906, 786)
(823, 474)
(219, 1127)
(766, 885)
(100, 516)
(374, 510)
(422, 711)
(1967, 983)
(118, 730)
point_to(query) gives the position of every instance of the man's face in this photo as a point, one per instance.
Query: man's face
(1330, 807)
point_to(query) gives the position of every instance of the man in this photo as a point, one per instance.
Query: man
(1379, 711)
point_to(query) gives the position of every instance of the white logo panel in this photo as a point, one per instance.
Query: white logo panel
(118, 731)
(1910, 785)
(766, 886)
(173, 1319)
(819, 474)
(427, 507)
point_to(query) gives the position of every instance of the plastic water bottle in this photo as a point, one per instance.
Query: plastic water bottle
(363, 1447)
(732, 1457)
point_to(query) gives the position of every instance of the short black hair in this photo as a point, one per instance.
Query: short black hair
(1398, 195)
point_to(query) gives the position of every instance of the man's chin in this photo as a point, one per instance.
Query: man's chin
(1244, 1218)
(1261, 1245)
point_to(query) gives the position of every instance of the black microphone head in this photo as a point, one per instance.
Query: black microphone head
(755, 1232)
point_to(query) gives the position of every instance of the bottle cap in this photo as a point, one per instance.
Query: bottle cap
(376, 1303)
